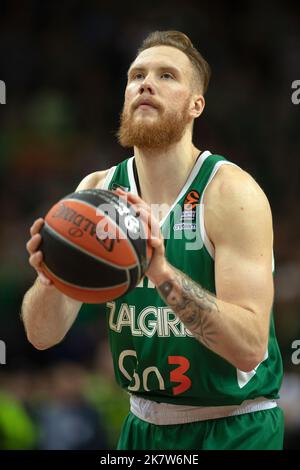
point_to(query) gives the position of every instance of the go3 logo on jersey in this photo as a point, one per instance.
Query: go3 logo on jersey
(141, 381)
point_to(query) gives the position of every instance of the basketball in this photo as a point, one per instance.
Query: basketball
(95, 248)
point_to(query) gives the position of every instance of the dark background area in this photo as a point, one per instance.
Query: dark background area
(64, 64)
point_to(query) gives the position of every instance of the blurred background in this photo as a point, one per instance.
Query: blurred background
(64, 64)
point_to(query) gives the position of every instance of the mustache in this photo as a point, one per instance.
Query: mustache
(135, 105)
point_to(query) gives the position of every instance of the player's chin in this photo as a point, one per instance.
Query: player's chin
(148, 119)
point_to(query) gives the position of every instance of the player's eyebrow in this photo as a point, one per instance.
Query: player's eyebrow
(161, 68)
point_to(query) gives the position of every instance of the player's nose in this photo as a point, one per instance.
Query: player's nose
(147, 86)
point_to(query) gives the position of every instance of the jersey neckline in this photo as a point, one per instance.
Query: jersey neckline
(194, 172)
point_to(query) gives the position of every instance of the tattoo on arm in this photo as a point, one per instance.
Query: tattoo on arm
(195, 307)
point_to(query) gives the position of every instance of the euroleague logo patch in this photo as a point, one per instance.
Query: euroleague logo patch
(191, 200)
(188, 214)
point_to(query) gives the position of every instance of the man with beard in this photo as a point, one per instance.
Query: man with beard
(194, 343)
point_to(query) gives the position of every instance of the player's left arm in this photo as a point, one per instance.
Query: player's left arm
(234, 323)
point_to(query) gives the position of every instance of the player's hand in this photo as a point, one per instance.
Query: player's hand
(36, 256)
(158, 264)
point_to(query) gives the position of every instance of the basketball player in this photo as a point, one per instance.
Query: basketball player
(194, 343)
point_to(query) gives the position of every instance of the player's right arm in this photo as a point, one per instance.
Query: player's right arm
(46, 312)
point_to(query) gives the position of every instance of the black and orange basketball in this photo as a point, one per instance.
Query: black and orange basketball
(95, 247)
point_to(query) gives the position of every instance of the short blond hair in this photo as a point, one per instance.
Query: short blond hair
(182, 42)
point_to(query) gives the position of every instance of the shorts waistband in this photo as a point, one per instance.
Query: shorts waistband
(167, 413)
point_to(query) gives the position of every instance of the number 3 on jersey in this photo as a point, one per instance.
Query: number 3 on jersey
(177, 375)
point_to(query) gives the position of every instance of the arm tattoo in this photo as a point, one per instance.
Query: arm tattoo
(195, 307)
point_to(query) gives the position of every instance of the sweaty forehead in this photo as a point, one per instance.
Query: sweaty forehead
(162, 56)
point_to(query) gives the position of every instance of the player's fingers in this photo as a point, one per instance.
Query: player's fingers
(33, 244)
(143, 214)
(152, 223)
(35, 260)
(136, 202)
(132, 198)
(36, 226)
(138, 206)
(143, 210)
(156, 242)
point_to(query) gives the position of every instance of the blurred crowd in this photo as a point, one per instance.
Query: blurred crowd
(65, 406)
(64, 64)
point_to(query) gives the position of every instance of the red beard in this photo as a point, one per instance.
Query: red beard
(167, 129)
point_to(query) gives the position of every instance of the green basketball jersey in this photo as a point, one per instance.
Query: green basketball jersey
(154, 354)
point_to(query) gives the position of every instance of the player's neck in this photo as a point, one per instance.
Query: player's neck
(162, 173)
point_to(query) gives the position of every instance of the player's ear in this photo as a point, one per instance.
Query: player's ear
(198, 105)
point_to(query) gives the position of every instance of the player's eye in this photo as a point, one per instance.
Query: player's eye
(167, 76)
(138, 76)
